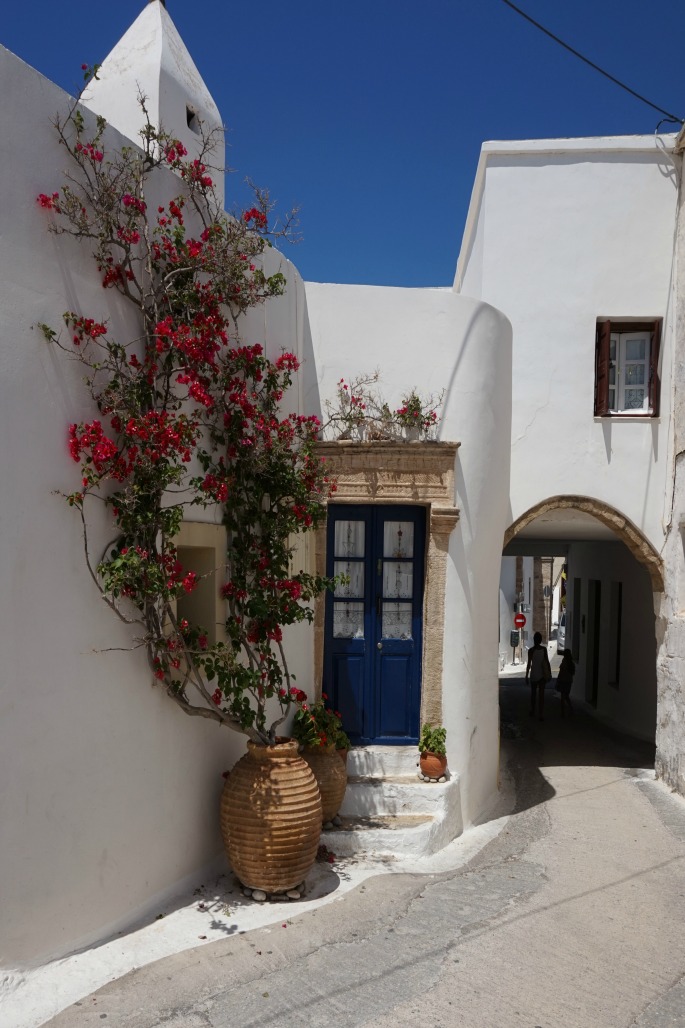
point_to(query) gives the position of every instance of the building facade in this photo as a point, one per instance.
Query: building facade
(561, 436)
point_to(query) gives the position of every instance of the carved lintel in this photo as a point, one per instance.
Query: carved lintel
(392, 472)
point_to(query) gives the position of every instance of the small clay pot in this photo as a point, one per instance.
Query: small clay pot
(433, 765)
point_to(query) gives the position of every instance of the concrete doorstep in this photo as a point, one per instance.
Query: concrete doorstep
(389, 812)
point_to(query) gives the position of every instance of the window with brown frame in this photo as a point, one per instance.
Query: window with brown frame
(627, 368)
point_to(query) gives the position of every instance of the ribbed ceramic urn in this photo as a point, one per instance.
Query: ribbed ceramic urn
(271, 817)
(331, 776)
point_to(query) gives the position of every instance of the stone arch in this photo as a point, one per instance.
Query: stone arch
(624, 529)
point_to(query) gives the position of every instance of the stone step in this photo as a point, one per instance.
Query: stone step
(382, 761)
(396, 795)
(390, 837)
(396, 816)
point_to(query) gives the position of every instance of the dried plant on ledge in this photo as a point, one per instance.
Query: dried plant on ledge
(359, 411)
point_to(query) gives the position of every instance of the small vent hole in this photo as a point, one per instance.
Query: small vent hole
(192, 120)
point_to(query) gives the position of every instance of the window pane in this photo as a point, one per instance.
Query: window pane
(349, 539)
(634, 399)
(398, 539)
(398, 578)
(348, 620)
(612, 399)
(354, 570)
(635, 374)
(635, 349)
(396, 621)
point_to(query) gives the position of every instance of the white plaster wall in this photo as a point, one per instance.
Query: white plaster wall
(507, 599)
(632, 706)
(430, 339)
(670, 606)
(109, 794)
(572, 230)
(507, 594)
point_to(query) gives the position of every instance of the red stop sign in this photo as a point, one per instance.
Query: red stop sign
(519, 620)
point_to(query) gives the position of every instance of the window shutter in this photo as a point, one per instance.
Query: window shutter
(602, 369)
(654, 381)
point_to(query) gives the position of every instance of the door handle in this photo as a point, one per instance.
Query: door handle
(379, 645)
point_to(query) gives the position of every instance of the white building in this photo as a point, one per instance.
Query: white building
(575, 240)
(109, 793)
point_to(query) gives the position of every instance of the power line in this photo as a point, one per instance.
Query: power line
(671, 117)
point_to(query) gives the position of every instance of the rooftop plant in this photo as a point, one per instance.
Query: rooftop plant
(359, 404)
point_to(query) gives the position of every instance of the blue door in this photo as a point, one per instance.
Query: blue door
(372, 663)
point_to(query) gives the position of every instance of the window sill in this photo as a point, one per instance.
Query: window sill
(626, 417)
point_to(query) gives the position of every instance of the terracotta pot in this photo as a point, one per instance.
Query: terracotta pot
(331, 776)
(343, 756)
(432, 765)
(271, 817)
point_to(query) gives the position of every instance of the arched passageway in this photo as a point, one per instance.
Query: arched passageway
(584, 576)
(563, 511)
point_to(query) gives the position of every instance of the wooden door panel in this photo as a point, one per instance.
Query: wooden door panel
(394, 698)
(372, 660)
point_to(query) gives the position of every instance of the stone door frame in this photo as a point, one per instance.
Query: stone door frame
(387, 472)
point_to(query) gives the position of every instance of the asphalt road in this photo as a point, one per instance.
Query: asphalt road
(572, 918)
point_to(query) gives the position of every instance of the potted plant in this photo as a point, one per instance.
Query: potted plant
(417, 416)
(349, 414)
(433, 753)
(319, 730)
(342, 745)
(359, 411)
(189, 416)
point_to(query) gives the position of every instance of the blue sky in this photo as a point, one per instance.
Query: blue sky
(370, 115)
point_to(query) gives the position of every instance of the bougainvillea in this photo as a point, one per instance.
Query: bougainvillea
(188, 415)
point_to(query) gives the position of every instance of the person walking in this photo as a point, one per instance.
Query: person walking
(567, 670)
(538, 673)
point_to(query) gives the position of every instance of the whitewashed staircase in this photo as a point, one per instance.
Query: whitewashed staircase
(388, 811)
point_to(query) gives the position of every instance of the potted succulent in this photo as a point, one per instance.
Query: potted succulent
(319, 730)
(182, 392)
(433, 753)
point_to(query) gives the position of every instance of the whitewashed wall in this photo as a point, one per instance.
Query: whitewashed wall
(507, 599)
(108, 792)
(430, 339)
(631, 705)
(561, 232)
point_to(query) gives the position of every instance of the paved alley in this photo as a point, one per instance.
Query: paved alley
(571, 918)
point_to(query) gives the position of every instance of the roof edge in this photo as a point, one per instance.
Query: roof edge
(521, 147)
